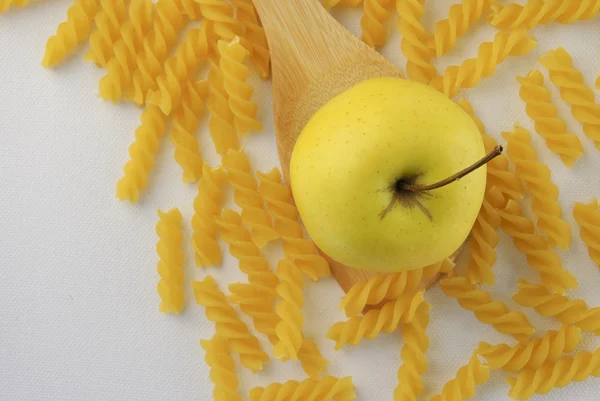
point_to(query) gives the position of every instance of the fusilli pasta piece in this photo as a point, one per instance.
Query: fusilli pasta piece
(545, 115)
(239, 93)
(574, 92)
(221, 13)
(207, 206)
(375, 321)
(489, 55)
(414, 363)
(588, 218)
(486, 310)
(532, 354)
(312, 361)
(537, 177)
(170, 265)
(246, 196)
(536, 249)
(559, 374)
(295, 245)
(327, 389)
(190, 8)
(6, 4)
(107, 30)
(70, 33)
(566, 311)
(342, 3)
(484, 239)
(464, 385)
(376, 14)
(222, 369)
(228, 324)
(289, 310)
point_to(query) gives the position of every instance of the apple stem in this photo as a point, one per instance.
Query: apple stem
(417, 188)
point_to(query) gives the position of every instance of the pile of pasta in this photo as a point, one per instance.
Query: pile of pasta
(153, 54)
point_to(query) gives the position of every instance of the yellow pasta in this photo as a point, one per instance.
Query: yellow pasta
(190, 8)
(375, 321)
(342, 3)
(574, 91)
(295, 246)
(463, 386)
(220, 13)
(559, 374)
(414, 43)
(207, 206)
(289, 310)
(414, 363)
(246, 196)
(141, 153)
(312, 361)
(222, 369)
(588, 218)
(536, 249)
(70, 33)
(123, 62)
(486, 310)
(376, 14)
(534, 353)
(6, 4)
(460, 18)
(170, 266)
(228, 324)
(107, 30)
(574, 312)
(239, 93)
(178, 69)
(545, 115)
(489, 55)
(388, 287)
(537, 177)
(327, 389)
(484, 239)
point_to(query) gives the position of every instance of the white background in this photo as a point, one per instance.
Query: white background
(78, 306)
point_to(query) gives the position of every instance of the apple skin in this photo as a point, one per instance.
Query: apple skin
(357, 146)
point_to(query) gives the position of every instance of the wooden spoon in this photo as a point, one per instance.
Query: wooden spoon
(314, 58)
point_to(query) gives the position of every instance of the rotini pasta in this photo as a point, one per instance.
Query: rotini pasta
(573, 312)
(486, 310)
(312, 361)
(207, 206)
(537, 177)
(545, 115)
(376, 14)
(484, 239)
(239, 93)
(532, 354)
(229, 325)
(190, 8)
(289, 310)
(464, 385)
(342, 3)
(170, 265)
(70, 33)
(414, 363)
(489, 55)
(327, 389)
(220, 13)
(574, 91)
(6, 4)
(246, 196)
(222, 369)
(564, 371)
(536, 249)
(375, 321)
(588, 218)
(107, 30)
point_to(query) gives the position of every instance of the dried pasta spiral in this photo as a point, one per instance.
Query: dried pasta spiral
(536, 249)
(489, 55)
(559, 374)
(463, 386)
(327, 389)
(566, 311)
(239, 92)
(388, 286)
(190, 8)
(207, 206)
(532, 354)
(246, 196)
(170, 265)
(228, 324)
(375, 321)
(108, 25)
(414, 363)
(141, 153)
(588, 218)
(486, 310)
(222, 369)
(312, 361)
(289, 310)
(70, 33)
(537, 177)
(295, 245)
(6, 4)
(220, 13)
(377, 12)
(484, 239)
(545, 115)
(342, 3)
(255, 36)
(574, 91)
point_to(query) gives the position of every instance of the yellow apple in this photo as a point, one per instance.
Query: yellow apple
(356, 157)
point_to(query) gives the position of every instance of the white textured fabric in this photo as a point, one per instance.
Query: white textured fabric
(78, 304)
